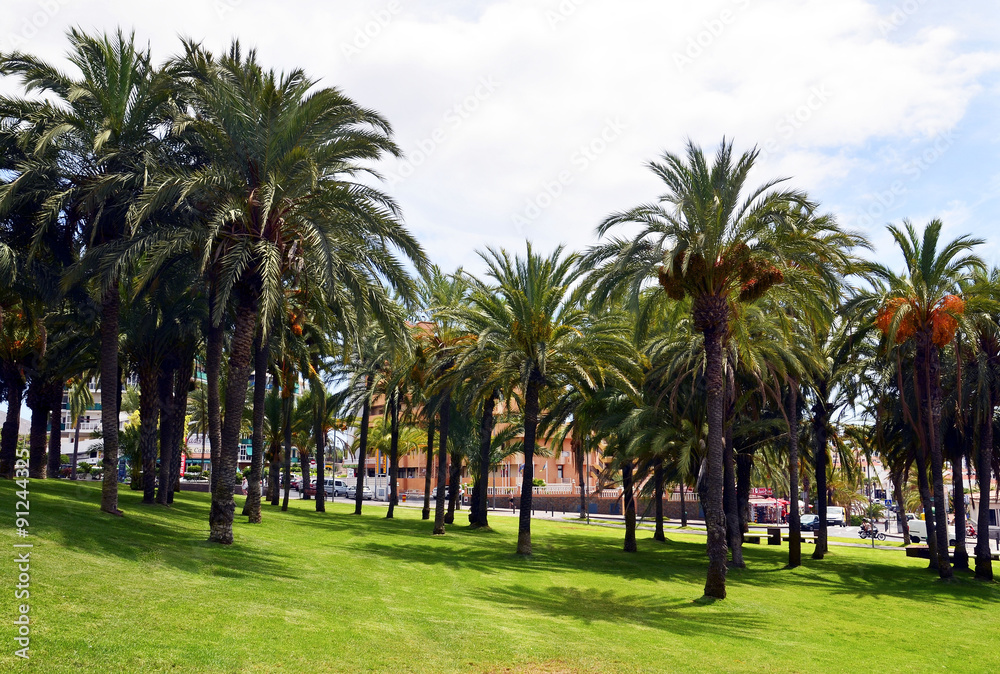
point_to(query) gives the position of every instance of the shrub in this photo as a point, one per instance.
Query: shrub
(194, 469)
(538, 482)
(83, 468)
(856, 520)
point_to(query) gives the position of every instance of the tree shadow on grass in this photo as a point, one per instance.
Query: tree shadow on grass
(589, 606)
(878, 576)
(569, 554)
(175, 536)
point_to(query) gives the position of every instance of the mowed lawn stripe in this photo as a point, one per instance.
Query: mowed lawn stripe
(307, 591)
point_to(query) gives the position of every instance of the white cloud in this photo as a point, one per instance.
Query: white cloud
(820, 81)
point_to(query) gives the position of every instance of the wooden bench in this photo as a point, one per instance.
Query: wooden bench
(919, 550)
(804, 539)
(752, 538)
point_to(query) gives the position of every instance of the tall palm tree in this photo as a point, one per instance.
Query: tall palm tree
(107, 127)
(983, 376)
(80, 400)
(440, 340)
(921, 304)
(536, 322)
(843, 358)
(281, 193)
(710, 238)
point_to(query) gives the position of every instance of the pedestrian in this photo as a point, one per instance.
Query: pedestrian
(246, 486)
(512, 504)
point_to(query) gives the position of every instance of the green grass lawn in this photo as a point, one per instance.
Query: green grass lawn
(308, 592)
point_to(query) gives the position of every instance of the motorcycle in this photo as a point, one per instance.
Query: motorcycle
(869, 531)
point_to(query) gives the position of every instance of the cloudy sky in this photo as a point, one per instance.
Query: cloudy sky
(533, 119)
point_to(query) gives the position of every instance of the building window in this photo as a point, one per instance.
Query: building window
(559, 471)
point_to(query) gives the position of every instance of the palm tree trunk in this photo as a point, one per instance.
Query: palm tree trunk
(55, 430)
(578, 455)
(110, 390)
(480, 508)
(794, 529)
(165, 392)
(149, 416)
(455, 480)
(426, 512)
(923, 486)
(286, 427)
(819, 455)
(961, 552)
(445, 417)
(930, 368)
(684, 512)
(530, 429)
(12, 426)
(213, 373)
(744, 468)
(984, 564)
(897, 493)
(393, 452)
(363, 447)
(39, 407)
(658, 495)
(304, 465)
(251, 506)
(734, 534)
(628, 496)
(715, 517)
(223, 506)
(319, 431)
(76, 449)
(274, 475)
(182, 386)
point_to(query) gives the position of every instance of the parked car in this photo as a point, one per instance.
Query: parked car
(335, 486)
(296, 482)
(809, 522)
(366, 493)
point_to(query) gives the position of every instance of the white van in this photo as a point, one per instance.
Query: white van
(335, 486)
(836, 516)
(918, 530)
(994, 516)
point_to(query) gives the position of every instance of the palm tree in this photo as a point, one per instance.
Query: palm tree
(843, 360)
(983, 376)
(107, 128)
(710, 239)
(440, 340)
(535, 321)
(921, 304)
(80, 400)
(281, 193)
